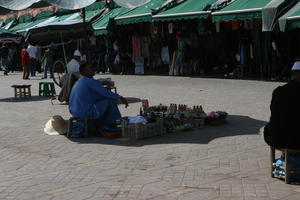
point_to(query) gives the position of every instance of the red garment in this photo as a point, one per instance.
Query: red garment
(136, 47)
(25, 57)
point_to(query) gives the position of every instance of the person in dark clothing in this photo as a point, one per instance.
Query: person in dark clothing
(283, 129)
(4, 58)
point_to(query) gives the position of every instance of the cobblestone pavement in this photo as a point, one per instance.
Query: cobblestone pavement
(222, 162)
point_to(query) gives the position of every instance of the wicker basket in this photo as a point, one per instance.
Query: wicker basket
(196, 123)
(138, 131)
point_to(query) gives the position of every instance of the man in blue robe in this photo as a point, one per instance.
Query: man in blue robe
(89, 99)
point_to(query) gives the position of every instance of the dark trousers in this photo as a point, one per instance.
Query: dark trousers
(25, 72)
(32, 66)
(48, 67)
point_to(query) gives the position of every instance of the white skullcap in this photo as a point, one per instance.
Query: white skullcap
(77, 53)
(296, 66)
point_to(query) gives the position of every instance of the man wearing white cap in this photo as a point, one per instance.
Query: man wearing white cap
(73, 65)
(283, 129)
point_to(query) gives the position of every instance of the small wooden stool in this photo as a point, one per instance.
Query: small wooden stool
(22, 91)
(289, 166)
(74, 119)
(47, 89)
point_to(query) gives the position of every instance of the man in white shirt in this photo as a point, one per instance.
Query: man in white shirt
(32, 53)
(73, 65)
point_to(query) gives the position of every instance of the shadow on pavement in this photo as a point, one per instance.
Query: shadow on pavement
(237, 125)
(16, 100)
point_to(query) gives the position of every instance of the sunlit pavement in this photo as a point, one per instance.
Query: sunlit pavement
(218, 162)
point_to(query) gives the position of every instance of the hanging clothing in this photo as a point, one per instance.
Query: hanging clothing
(165, 56)
(145, 47)
(171, 28)
(218, 24)
(136, 47)
(243, 54)
(235, 25)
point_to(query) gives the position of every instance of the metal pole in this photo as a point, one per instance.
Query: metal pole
(64, 51)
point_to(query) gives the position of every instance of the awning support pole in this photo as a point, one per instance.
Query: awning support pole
(63, 44)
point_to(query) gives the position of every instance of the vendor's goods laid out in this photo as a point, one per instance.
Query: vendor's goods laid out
(162, 119)
(151, 121)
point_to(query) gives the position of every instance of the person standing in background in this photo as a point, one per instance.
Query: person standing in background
(38, 63)
(32, 51)
(4, 58)
(25, 63)
(11, 58)
(48, 59)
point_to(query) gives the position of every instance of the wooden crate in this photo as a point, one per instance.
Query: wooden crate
(290, 169)
(140, 130)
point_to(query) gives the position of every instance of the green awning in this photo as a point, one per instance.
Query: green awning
(9, 36)
(140, 14)
(22, 28)
(68, 4)
(90, 14)
(9, 23)
(189, 9)
(23, 21)
(7, 33)
(43, 19)
(92, 11)
(95, 6)
(241, 10)
(291, 19)
(100, 25)
(9, 20)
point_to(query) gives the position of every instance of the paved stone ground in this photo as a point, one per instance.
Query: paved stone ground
(222, 162)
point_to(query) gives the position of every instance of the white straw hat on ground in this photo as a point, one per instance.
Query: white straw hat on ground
(296, 66)
(56, 126)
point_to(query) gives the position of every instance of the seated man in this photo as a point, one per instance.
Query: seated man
(89, 99)
(283, 129)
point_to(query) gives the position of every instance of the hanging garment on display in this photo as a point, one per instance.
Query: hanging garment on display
(145, 47)
(217, 27)
(139, 65)
(200, 27)
(165, 56)
(171, 28)
(235, 25)
(251, 51)
(93, 40)
(136, 47)
(246, 24)
(243, 54)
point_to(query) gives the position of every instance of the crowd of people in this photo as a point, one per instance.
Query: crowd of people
(30, 60)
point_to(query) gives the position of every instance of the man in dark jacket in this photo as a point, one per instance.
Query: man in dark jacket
(283, 130)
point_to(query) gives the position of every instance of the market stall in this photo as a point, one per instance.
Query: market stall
(161, 119)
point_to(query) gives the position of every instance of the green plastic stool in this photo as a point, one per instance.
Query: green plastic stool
(47, 89)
